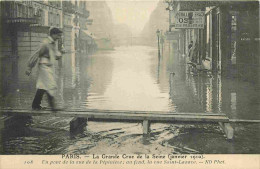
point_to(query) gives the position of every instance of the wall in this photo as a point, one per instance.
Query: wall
(29, 42)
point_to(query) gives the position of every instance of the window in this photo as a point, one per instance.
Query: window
(50, 19)
(19, 10)
(31, 13)
(42, 17)
(24, 11)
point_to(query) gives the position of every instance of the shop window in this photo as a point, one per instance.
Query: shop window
(233, 101)
(208, 37)
(233, 37)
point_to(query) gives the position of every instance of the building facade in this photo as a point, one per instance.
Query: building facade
(228, 43)
(102, 27)
(24, 24)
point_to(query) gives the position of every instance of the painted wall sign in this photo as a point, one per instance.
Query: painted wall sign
(188, 19)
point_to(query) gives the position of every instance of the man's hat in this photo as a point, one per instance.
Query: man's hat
(55, 30)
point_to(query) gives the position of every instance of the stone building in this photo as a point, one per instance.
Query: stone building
(24, 24)
(159, 20)
(75, 20)
(228, 42)
(102, 26)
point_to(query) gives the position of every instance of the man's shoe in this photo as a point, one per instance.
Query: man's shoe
(39, 108)
(57, 109)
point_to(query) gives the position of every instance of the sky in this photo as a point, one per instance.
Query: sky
(134, 13)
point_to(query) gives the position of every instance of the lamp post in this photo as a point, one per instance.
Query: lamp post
(169, 8)
(158, 34)
(161, 42)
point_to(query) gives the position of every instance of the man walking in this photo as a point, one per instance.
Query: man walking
(46, 82)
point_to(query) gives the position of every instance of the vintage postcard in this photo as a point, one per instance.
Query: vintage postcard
(129, 84)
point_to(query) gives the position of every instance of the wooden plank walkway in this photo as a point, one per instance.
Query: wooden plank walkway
(120, 115)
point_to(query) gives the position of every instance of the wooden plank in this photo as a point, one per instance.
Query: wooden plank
(243, 121)
(152, 112)
(228, 130)
(120, 111)
(147, 117)
(123, 116)
(146, 127)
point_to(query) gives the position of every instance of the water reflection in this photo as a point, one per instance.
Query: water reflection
(130, 78)
(203, 93)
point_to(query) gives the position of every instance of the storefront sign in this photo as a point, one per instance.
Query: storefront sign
(188, 19)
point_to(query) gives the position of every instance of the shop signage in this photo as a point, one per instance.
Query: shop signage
(188, 19)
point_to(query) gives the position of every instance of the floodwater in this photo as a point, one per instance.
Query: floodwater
(130, 78)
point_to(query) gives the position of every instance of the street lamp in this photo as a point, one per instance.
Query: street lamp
(169, 8)
(161, 41)
(158, 34)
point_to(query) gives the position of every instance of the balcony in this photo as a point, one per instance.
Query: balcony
(13, 12)
(21, 20)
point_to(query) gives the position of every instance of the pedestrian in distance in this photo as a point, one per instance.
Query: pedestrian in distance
(45, 56)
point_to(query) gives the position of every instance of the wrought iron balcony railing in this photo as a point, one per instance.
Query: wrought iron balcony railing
(12, 12)
(22, 20)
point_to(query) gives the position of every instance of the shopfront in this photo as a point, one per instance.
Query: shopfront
(228, 43)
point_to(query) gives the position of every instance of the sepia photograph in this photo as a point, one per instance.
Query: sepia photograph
(166, 80)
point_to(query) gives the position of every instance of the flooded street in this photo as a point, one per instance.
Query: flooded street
(131, 78)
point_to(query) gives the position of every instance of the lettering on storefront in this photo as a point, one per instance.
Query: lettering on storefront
(188, 19)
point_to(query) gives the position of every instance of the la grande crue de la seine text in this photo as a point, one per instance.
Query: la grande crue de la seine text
(138, 156)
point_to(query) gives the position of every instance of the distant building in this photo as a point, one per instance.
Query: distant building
(123, 35)
(102, 25)
(159, 19)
